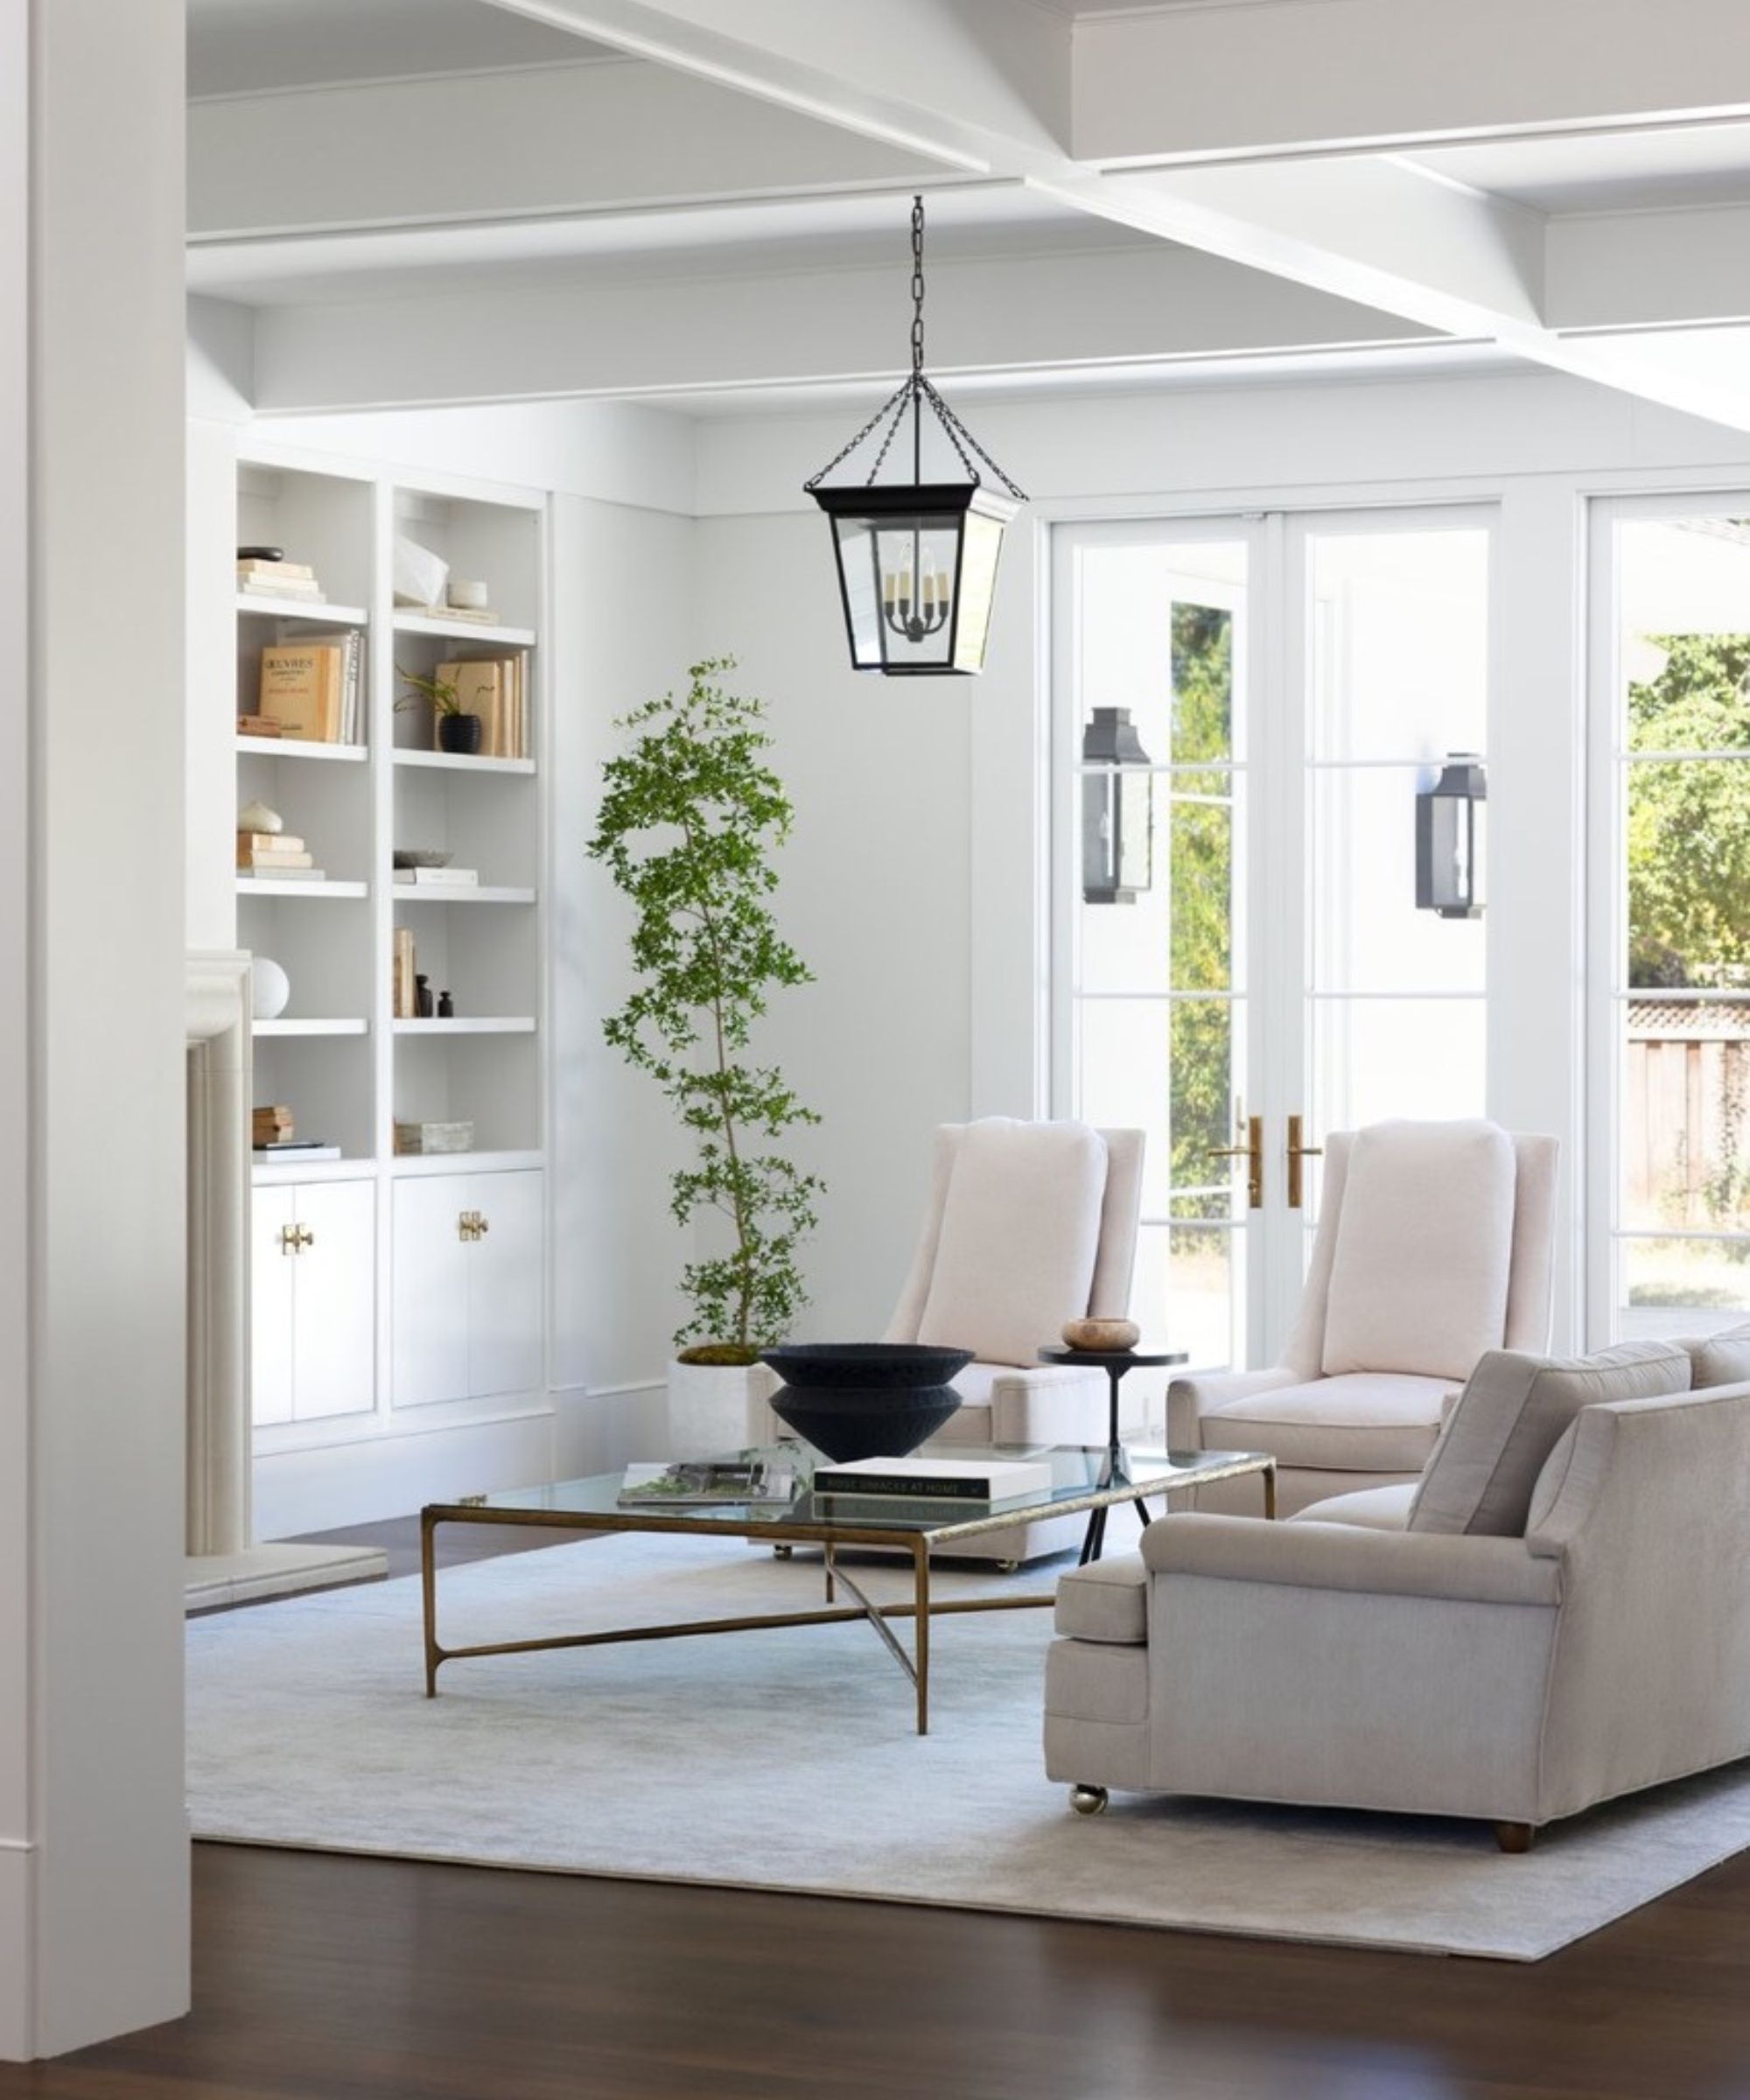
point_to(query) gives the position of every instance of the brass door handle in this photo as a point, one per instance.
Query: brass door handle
(471, 1225)
(1252, 1152)
(1296, 1153)
(293, 1239)
(482, 1225)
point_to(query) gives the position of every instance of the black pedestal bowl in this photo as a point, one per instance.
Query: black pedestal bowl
(865, 1399)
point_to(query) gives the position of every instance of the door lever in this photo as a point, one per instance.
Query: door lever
(1252, 1152)
(1296, 1153)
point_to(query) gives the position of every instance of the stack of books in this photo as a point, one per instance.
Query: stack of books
(263, 578)
(439, 878)
(403, 992)
(971, 1486)
(496, 688)
(275, 1142)
(272, 1125)
(413, 1139)
(278, 855)
(313, 687)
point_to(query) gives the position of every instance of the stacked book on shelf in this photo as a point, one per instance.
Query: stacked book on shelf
(263, 572)
(277, 855)
(496, 688)
(414, 1140)
(276, 1143)
(438, 878)
(311, 690)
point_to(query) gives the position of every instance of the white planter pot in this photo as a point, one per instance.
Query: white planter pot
(716, 1408)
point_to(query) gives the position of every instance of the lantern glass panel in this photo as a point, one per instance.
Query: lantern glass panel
(979, 552)
(900, 577)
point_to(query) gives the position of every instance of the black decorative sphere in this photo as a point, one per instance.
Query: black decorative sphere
(866, 1399)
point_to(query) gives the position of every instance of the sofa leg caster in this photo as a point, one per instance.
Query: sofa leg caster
(1513, 1836)
(1008, 1567)
(1088, 1801)
(782, 1552)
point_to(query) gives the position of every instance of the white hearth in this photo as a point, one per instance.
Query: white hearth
(225, 1564)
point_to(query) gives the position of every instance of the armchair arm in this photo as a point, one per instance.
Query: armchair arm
(1048, 1403)
(1346, 1556)
(1189, 1399)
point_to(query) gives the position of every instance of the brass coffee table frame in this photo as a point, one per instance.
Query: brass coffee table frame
(831, 1537)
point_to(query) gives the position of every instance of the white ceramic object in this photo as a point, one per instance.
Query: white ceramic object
(468, 597)
(419, 574)
(711, 1408)
(270, 989)
(257, 816)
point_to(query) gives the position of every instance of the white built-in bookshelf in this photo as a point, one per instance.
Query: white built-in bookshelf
(345, 1062)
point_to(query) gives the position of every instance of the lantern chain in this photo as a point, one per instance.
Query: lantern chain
(917, 287)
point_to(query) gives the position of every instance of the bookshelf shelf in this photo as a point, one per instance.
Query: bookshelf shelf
(481, 893)
(462, 1163)
(259, 885)
(255, 605)
(296, 747)
(286, 1174)
(480, 631)
(342, 1025)
(472, 1024)
(455, 761)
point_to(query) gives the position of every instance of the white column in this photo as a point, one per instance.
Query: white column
(94, 1854)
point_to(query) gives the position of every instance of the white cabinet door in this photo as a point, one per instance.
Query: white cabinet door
(333, 1347)
(272, 1271)
(431, 1301)
(506, 1297)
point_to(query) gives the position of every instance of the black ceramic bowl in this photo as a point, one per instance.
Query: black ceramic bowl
(890, 1365)
(865, 1400)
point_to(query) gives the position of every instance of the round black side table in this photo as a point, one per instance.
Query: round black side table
(1114, 1470)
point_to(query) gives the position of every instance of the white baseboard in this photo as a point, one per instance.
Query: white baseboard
(18, 1913)
(325, 1489)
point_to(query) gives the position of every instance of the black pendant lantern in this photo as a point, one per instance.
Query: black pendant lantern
(1449, 839)
(917, 560)
(1117, 811)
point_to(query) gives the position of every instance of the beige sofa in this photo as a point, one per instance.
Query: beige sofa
(1468, 1647)
(1434, 1244)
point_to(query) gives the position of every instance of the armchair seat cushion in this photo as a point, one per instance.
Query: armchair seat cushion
(1378, 1508)
(1107, 1601)
(1363, 1422)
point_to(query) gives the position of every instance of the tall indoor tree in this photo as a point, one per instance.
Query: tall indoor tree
(691, 817)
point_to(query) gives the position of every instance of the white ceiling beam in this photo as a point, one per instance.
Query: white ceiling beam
(1649, 269)
(970, 80)
(1017, 314)
(1187, 83)
(569, 138)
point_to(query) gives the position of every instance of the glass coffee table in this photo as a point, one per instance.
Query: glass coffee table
(1081, 1481)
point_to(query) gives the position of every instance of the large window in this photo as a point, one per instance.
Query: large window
(1673, 837)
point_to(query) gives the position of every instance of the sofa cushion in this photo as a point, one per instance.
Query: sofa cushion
(1513, 1412)
(1722, 1359)
(1020, 1228)
(1107, 1601)
(1378, 1508)
(1424, 1247)
(1368, 1422)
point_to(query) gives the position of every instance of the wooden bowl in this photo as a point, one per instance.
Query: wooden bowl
(1101, 1333)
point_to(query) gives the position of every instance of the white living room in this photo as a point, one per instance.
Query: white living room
(919, 1258)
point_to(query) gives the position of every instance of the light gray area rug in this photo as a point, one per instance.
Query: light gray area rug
(786, 1760)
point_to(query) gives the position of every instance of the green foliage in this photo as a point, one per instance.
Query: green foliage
(441, 692)
(1689, 823)
(687, 828)
(1200, 857)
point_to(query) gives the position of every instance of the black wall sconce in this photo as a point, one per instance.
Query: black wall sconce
(1450, 837)
(1117, 811)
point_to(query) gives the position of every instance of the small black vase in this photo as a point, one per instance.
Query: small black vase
(458, 733)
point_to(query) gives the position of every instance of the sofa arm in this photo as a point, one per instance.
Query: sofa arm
(1189, 1399)
(1346, 1556)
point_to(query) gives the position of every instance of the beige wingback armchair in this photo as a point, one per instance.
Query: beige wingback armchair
(1602, 1647)
(1027, 1225)
(1434, 1244)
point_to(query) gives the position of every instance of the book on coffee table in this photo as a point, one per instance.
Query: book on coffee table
(937, 1480)
(690, 1482)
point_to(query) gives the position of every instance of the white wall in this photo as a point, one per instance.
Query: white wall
(894, 777)
(94, 1846)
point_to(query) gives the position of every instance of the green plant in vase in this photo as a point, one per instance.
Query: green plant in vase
(456, 730)
(687, 825)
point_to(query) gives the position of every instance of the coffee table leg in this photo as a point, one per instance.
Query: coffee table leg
(831, 1590)
(1270, 1492)
(920, 1648)
(428, 1577)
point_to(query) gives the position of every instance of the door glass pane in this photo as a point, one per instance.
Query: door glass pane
(1164, 1066)
(1177, 934)
(1399, 683)
(1190, 1285)
(1682, 995)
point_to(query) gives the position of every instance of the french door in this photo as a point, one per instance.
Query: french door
(1245, 712)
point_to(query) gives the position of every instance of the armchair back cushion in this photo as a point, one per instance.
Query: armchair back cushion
(1423, 1249)
(1514, 1412)
(1722, 1359)
(1015, 1254)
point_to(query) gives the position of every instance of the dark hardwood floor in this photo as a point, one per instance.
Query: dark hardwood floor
(329, 1978)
